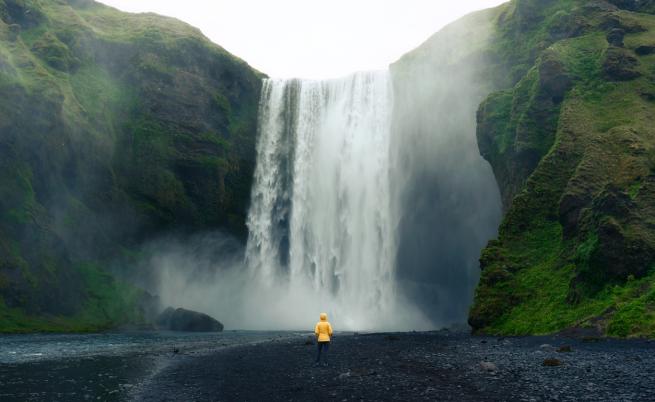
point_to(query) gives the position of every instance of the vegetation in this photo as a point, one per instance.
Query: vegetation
(114, 127)
(572, 145)
(109, 303)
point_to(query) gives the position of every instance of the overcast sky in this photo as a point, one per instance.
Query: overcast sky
(313, 38)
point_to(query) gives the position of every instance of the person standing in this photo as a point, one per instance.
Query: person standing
(323, 332)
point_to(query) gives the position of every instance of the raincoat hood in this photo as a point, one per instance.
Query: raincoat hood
(323, 329)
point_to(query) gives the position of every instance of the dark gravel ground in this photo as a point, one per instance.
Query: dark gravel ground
(99, 378)
(442, 366)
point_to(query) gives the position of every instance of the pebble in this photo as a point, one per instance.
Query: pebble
(418, 366)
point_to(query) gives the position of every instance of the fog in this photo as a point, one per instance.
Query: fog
(207, 272)
(445, 195)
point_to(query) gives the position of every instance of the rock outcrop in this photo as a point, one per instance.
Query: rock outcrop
(187, 320)
(620, 65)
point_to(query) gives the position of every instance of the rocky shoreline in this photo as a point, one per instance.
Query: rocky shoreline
(443, 365)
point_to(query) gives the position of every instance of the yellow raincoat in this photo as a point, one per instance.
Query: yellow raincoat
(323, 329)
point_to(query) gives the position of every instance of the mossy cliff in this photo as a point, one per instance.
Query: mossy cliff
(571, 139)
(113, 127)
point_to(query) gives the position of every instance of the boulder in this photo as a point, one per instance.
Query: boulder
(488, 366)
(552, 362)
(187, 320)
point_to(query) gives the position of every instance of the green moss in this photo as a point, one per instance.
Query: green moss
(55, 53)
(633, 190)
(17, 193)
(497, 113)
(544, 306)
(110, 303)
(585, 249)
(222, 103)
(101, 98)
(540, 277)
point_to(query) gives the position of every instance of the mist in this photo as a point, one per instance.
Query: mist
(207, 272)
(370, 201)
(445, 195)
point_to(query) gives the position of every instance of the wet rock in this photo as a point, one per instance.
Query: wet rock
(552, 362)
(570, 206)
(565, 349)
(577, 332)
(615, 37)
(553, 78)
(620, 250)
(343, 376)
(646, 95)
(644, 50)
(187, 320)
(644, 6)
(612, 21)
(620, 65)
(612, 201)
(22, 13)
(488, 366)
(598, 5)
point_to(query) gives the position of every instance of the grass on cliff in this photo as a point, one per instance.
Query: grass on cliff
(110, 303)
(623, 309)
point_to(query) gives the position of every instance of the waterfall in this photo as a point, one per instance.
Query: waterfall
(320, 220)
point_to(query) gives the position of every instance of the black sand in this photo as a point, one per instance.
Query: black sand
(441, 366)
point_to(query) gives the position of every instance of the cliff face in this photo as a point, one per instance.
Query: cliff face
(113, 127)
(571, 141)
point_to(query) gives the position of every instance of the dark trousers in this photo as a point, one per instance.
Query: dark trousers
(322, 347)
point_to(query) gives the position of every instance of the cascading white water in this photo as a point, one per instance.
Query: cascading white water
(320, 220)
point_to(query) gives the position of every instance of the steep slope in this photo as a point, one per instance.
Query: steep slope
(571, 141)
(113, 127)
